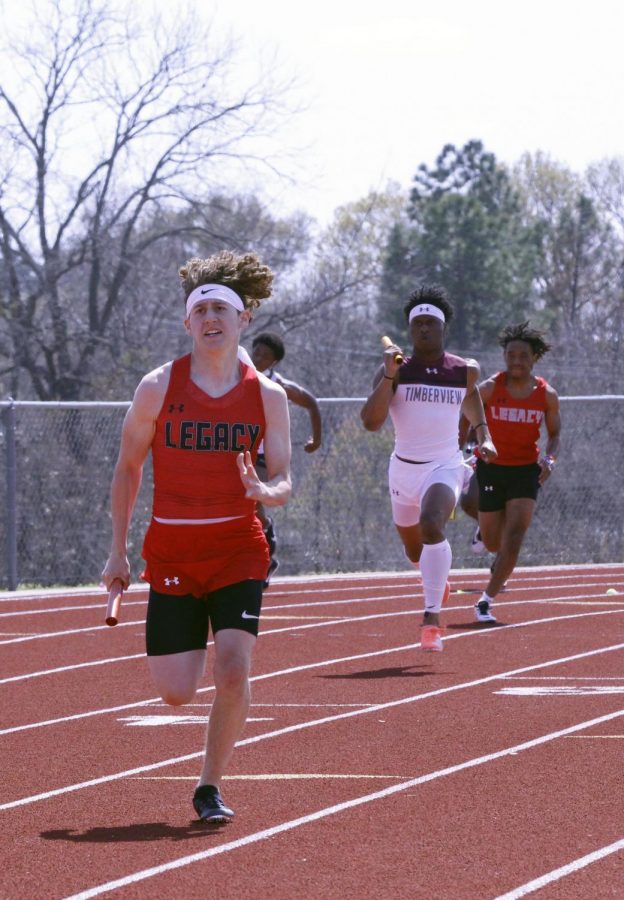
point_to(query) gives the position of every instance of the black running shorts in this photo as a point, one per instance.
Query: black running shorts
(177, 624)
(498, 484)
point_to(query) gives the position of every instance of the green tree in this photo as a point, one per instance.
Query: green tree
(579, 276)
(465, 231)
(326, 306)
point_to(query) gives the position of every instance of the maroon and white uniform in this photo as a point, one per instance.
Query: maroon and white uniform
(425, 412)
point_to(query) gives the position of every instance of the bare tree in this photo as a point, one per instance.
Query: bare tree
(326, 307)
(108, 122)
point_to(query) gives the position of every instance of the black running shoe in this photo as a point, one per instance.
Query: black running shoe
(209, 805)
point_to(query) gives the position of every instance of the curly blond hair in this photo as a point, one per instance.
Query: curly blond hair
(244, 274)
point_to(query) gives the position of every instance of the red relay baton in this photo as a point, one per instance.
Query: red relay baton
(114, 602)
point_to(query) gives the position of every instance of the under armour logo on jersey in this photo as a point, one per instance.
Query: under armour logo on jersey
(488, 487)
(173, 407)
(174, 580)
(431, 371)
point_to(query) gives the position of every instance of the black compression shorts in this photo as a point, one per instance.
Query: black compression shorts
(177, 624)
(498, 484)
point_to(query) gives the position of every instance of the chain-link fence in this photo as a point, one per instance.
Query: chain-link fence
(58, 459)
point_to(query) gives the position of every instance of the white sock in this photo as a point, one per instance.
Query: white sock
(435, 565)
(486, 597)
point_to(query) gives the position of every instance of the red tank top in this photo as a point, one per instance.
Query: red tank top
(515, 423)
(196, 443)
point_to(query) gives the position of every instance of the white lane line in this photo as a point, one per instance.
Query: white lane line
(561, 690)
(409, 584)
(573, 600)
(285, 586)
(412, 587)
(274, 776)
(569, 869)
(285, 705)
(68, 631)
(60, 609)
(314, 665)
(141, 622)
(160, 719)
(84, 665)
(289, 729)
(338, 808)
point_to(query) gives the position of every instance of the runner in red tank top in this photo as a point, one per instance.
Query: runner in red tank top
(203, 417)
(516, 403)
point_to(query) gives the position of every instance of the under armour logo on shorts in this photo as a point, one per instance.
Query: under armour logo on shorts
(431, 371)
(488, 487)
(174, 580)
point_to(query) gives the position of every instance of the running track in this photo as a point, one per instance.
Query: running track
(368, 768)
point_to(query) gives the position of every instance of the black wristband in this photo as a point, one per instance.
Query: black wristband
(389, 377)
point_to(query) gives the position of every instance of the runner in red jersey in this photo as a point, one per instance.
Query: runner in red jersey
(203, 417)
(517, 404)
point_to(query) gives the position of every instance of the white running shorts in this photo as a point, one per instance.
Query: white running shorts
(409, 482)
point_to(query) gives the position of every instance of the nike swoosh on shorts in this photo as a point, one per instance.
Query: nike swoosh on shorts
(246, 615)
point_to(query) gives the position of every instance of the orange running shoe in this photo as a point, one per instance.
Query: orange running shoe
(431, 638)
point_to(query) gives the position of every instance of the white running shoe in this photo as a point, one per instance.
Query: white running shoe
(477, 546)
(483, 611)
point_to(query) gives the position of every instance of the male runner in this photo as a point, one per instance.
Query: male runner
(424, 396)
(204, 416)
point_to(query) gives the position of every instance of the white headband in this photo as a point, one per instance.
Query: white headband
(424, 309)
(205, 292)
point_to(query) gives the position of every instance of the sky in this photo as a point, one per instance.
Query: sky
(380, 87)
(386, 85)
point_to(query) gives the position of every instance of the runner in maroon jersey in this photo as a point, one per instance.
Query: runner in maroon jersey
(424, 396)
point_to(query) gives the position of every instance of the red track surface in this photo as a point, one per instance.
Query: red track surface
(368, 768)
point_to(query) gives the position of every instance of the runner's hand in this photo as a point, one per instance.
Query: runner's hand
(487, 451)
(254, 489)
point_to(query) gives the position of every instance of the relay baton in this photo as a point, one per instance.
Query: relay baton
(114, 602)
(386, 342)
